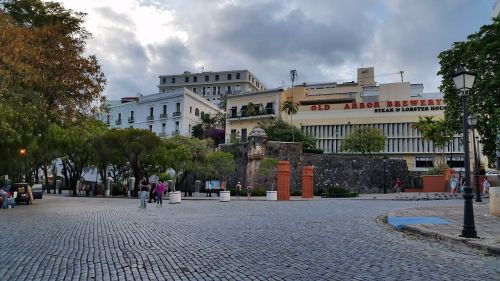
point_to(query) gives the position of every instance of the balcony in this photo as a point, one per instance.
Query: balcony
(150, 118)
(163, 116)
(118, 122)
(131, 119)
(259, 114)
(176, 114)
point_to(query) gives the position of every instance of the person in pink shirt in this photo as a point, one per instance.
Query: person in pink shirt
(160, 188)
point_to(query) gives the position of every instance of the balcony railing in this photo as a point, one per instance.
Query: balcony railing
(163, 116)
(162, 135)
(176, 114)
(151, 118)
(131, 119)
(244, 113)
(118, 122)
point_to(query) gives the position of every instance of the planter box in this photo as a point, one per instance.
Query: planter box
(174, 197)
(434, 184)
(272, 195)
(225, 196)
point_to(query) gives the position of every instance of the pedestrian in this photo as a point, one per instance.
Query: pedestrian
(486, 186)
(209, 189)
(5, 198)
(152, 193)
(238, 189)
(453, 185)
(144, 188)
(398, 185)
(462, 185)
(160, 188)
(249, 191)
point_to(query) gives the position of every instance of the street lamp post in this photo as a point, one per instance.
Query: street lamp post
(22, 153)
(385, 173)
(472, 123)
(464, 80)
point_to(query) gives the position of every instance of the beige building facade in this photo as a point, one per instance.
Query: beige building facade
(212, 86)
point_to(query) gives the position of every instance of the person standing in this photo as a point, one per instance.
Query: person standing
(249, 191)
(152, 193)
(160, 188)
(453, 185)
(486, 186)
(144, 188)
(238, 189)
(398, 185)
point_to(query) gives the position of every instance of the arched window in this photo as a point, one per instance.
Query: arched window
(197, 112)
(202, 114)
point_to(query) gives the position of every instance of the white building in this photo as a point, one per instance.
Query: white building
(166, 114)
(212, 86)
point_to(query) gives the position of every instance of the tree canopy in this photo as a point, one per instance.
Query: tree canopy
(480, 54)
(279, 130)
(364, 140)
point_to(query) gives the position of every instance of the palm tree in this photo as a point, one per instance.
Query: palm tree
(290, 108)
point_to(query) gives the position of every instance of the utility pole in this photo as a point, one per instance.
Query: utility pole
(293, 75)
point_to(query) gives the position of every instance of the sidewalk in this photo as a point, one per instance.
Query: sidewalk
(487, 226)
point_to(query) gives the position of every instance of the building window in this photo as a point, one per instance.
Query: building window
(186, 79)
(243, 134)
(190, 129)
(164, 109)
(132, 114)
(206, 78)
(217, 77)
(150, 128)
(163, 126)
(194, 90)
(203, 114)
(190, 109)
(151, 111)
(197, 112)
(173, 80)
(218, 90)
(424, 162)
(164, 80)
(238, 76)
(204, 91)
(229, 76)
(119, 116)
(214, 90)
(258, 85)
(455, 162)
(178, 107)
(195, 79)
(237, 88)
(177, 126)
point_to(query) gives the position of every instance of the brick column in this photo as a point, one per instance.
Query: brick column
(283, 180)
(307, 182)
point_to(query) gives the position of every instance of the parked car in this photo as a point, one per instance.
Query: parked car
(37, 191)
(22, 193)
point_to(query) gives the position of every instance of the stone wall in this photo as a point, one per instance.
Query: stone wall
(356, 173)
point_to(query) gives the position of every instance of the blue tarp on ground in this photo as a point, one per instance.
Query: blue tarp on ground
(400, 222)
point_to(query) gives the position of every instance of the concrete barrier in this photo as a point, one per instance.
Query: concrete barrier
(495, 201)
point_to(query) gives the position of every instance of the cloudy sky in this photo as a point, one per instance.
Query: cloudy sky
(324, 40)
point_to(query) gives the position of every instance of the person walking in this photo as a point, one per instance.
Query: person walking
(152, 193)
(160, 188)
(249, 191)
(486, 186)
(398, 185)
(144, 188)
(238, 189)
(453, 185)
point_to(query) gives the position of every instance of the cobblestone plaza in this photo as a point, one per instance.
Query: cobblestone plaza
(63, 238)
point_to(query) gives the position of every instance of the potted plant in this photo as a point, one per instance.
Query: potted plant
(267, 169)
(434, 180)
(221, 165)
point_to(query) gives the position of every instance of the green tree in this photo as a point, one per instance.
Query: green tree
(279, 130)
(220, 164)
(480, 54)
(291, 109)
(436, 131)
(137, 147)
(364, 140)
(267, 169)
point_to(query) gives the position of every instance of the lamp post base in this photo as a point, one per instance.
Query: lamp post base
(469, 229)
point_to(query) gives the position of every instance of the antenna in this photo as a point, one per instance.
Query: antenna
(401, 72)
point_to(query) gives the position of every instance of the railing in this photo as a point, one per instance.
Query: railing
(163, 116)
(131, 119)
(118, 122)
(176, 114)
(151, 118)
(244, 113)
(162, 135)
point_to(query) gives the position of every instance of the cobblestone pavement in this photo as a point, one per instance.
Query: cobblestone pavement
(63, 238)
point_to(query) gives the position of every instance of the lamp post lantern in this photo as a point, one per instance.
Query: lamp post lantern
(463, 80)
(472, 124)
(385, 173)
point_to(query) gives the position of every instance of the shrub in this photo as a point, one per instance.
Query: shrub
(437, 171)
(312, 150)
(296, 193)
(258, 191)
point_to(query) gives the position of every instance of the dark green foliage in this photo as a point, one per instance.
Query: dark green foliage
(364, 140)
(279, 130)
(296, 193)
(480, 54)
(338, 192)
(313, 150)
